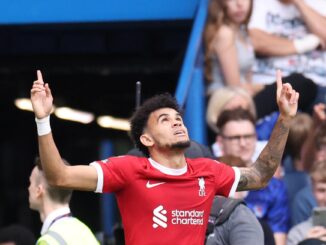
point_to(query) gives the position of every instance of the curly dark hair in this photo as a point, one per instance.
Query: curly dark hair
(140, 117)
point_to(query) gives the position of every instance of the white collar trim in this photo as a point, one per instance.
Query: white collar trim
(166, 170)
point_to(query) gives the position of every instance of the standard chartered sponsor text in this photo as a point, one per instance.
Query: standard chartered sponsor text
(187, 217)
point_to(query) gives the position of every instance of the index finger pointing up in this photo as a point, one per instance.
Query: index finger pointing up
(39, 76)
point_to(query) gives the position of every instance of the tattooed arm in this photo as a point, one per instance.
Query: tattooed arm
(258, 175)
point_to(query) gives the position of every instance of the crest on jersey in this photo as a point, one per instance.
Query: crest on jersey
(201, 183)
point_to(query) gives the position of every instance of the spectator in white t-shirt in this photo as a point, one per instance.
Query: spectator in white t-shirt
(289, 34)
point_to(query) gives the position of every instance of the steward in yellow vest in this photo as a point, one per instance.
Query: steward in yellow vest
(59, 227)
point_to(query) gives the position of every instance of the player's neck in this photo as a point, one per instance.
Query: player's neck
(174, 160)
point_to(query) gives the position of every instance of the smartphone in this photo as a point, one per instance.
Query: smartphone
(319, 216)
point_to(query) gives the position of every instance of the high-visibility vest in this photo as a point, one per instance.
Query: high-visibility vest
(68, 231)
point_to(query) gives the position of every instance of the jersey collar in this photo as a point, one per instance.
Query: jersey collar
(166, 170)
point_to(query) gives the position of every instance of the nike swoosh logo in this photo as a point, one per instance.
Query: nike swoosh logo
(149, 185)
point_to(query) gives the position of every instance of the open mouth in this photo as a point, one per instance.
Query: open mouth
(179, 133)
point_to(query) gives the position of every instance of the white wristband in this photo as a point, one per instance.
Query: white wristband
(43, 125)
(306, 44)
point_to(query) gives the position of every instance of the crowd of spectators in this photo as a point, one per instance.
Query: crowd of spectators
(246, 41)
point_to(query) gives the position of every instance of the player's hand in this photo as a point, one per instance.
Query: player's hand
(286, 97)
(41, 97)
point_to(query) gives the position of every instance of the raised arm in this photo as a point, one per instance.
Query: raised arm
(258, 175)
(57, 173)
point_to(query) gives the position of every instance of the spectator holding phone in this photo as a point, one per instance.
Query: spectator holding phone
(313, 228)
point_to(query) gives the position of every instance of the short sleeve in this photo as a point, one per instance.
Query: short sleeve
(113, 174)
(226, 179)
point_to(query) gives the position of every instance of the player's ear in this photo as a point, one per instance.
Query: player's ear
(146, 140)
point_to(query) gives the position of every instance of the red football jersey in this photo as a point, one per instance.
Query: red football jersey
(160, 205)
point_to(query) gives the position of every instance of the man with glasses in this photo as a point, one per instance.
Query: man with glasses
(236, 143)
(237, 137)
